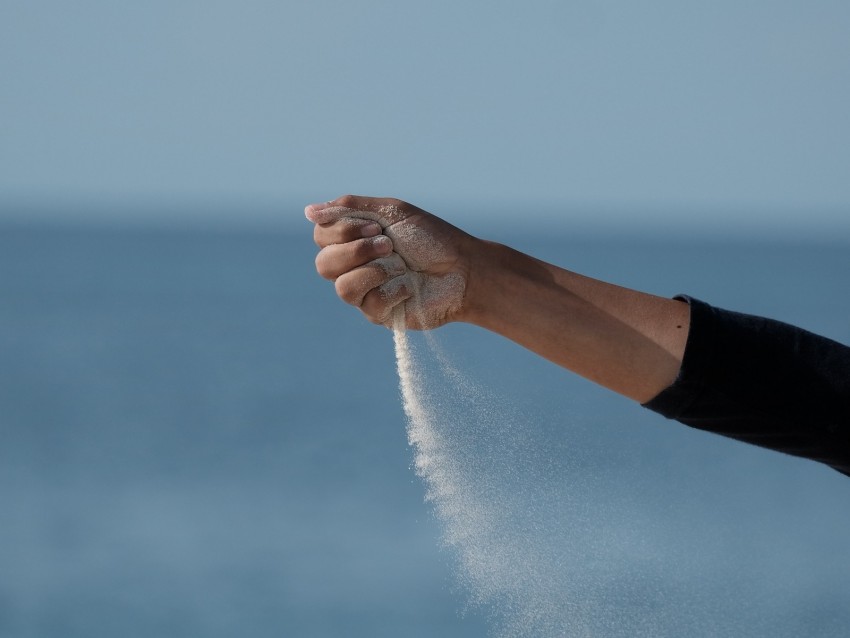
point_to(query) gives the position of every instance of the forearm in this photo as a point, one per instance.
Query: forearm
(628, 341)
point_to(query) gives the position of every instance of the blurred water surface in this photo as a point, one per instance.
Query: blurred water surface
(198, 438)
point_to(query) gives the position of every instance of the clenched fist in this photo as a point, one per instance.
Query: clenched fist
(384, 252)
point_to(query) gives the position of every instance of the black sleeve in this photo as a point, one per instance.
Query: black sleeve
(764, 382)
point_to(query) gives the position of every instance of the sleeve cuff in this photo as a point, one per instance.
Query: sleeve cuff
(674, 401)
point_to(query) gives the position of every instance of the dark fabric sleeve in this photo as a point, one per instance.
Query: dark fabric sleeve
(764, 382)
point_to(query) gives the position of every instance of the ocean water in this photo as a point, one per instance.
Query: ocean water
(198, 438)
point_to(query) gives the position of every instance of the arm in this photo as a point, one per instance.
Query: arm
(749, 378)
(628, 341)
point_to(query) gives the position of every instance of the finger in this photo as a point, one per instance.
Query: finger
(336, 259)
(353, 286)
(378, 303)
(344, 230)
(385, 211)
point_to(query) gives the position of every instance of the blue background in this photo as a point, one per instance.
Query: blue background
(198, 438)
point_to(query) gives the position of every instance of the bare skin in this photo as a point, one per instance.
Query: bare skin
(384, 252)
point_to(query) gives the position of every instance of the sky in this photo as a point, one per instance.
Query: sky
(731, 114)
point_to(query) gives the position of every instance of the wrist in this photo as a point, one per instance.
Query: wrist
(489, 270)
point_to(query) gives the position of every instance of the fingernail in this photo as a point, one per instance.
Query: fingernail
(383, 244)
(370, 230)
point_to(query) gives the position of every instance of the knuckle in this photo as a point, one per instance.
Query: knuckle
(347, 201)
(398, 204)
(322, 266)
(346, 290)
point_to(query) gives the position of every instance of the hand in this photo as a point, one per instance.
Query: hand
(384, 252)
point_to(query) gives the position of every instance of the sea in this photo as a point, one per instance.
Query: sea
(197, 438)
